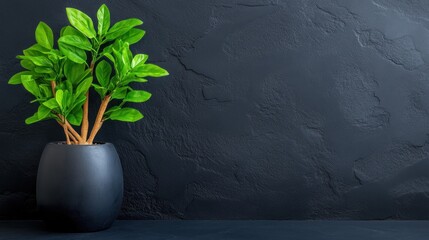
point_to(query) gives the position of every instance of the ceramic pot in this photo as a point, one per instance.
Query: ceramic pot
(79, 187)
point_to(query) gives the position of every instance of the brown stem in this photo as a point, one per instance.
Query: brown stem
(67, 134)
(99, 119)
(85, 122)
(75, 137)
(72, 131)
(53, 85)
(72, 138)
(69, 127)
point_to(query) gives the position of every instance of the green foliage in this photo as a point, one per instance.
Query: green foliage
(44, 36)
(84, 59)
(126, 115)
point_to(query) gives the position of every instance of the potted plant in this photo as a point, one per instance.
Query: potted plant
(79, 181)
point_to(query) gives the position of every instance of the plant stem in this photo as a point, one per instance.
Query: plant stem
(85, 122)
(99, 119)
(68, 127)
(72, 131)
(67, 134)
(53, 86)
(72, 138)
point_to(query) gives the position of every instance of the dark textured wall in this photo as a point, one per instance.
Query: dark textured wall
(273, 109)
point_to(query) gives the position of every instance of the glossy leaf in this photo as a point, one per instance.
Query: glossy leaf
(137, 96)
(44, 35)
(100, 90)
(112, 109)
(51, 104)
(103, 17)
(16, 79)
(76, 41)
(83, 87)
(149, 70)
(46, 70)
(40, 61)
(133, 36)
(45, 90)
(69, 30)
(129, 80)
(27, 64)
(121, 27)
(30, 85)
(139, 59)
(73, 71)
(32, 119)
(59, 98)
(103, 72)
(81, 22)
(119, 93)
(43, 112)
(73, 53)
(75, 117)
(126, 115)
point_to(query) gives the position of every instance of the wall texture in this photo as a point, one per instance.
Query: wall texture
(274, 109)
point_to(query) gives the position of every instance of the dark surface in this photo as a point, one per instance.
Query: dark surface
(245, 230)
(273, 109)
(79, 188)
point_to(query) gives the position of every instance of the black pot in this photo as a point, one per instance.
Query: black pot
(79, 187)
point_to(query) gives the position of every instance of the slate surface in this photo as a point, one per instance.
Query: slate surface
(275, 109)
(225, 230)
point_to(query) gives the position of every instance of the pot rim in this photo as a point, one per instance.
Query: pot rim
(63, 144)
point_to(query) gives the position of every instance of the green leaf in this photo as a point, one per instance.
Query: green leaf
(45, 90)
(16, 79)
(132, 36)
(76, 41)
(40, 61)
(128, 80)
(110, 57)
(68, 30)
(149, 70)
(83, 87)
(59, 96)
(137, 96)
(73, 71)
(123, 59)
(103, 17)
(27, 64)
(139, 59)
(46, 70)
(112, 109)
(67, 101)
(51, 103)
(30, 85)
(126, 115)
(73, 53)
(103, 72)
(44, 35)
(119, 93)
(43, 112)
(75, 117)
(78, 101)
(122, 27)
(81, 22)
(32, 119)
(100, 90)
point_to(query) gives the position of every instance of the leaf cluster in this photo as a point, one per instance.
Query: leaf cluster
(59, 74)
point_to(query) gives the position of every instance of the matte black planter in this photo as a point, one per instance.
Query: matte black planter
(79, 187)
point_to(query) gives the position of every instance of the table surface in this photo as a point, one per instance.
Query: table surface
(266, 230)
